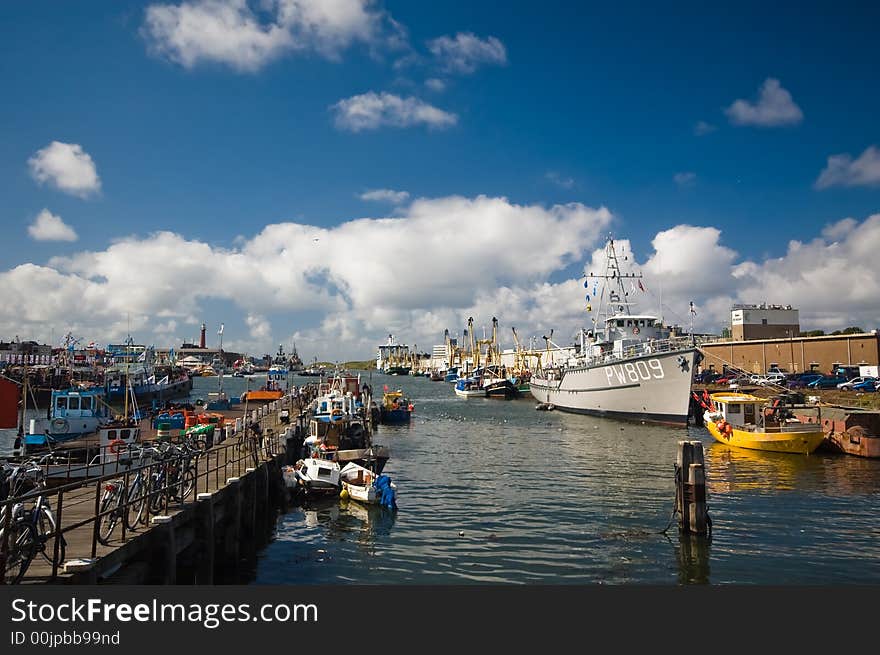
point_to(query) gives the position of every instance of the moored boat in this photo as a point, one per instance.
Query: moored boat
(395, 408)
(747, 421)
(469, 388)
(365, 486)
(633, 368)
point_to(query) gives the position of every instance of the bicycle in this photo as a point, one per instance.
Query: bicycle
(29, 529)
(175, 476)
(121, 497)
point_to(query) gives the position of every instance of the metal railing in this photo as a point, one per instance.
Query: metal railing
(230, 458)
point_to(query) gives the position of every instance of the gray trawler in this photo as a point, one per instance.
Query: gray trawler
(632, 368)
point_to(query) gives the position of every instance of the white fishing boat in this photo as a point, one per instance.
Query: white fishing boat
(314, 476)
(469, 388)
(628, 366)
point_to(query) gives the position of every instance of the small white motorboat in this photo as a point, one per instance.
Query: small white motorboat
(314, 476)
(469, 388)
(360, 484)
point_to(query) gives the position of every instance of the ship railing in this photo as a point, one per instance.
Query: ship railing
(649, 347)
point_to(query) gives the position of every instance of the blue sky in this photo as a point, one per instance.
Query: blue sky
(213, 139)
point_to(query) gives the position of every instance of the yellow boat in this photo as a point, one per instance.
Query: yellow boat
(747, 421)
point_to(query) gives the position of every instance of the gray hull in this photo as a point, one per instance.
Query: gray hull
(652, 387)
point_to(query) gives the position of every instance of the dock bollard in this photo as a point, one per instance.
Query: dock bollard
(690, 488)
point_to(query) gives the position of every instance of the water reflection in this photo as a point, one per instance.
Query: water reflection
(692, 553)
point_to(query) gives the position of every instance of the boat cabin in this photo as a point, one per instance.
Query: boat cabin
(276, 379)
(739, 409)
(69, 404)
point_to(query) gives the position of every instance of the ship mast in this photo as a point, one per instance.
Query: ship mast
(617, 300)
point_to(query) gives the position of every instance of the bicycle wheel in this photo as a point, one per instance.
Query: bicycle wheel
(137, 499)
(22, 547)
(156, 494)
(46, 527)
(188, 483)
(107, 522)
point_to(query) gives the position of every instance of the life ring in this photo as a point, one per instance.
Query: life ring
(635, 330)
(60, 425)
(114, 446)
(336, 414)
(411, 407)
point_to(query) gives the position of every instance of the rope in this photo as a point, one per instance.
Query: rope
(675, 502)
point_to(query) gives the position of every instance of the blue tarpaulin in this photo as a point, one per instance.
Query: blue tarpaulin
(387, 495)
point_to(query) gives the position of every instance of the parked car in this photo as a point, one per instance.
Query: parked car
(868, 384)
(849, 385)
(801, 380)
(772, 378)
(826, 382)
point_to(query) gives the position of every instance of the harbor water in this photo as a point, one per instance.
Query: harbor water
(493, 492)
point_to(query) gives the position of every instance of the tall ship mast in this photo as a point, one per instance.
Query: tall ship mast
(627, 365)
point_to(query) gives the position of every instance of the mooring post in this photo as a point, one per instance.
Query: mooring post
(690, 488)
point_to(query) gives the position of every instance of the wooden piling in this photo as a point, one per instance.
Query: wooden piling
(690, 495)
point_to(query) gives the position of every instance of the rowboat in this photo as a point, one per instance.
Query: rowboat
(747, 421)
(366, 487)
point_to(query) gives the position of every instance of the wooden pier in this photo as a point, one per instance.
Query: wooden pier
(211, 537)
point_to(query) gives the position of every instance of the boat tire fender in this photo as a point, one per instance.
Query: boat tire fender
(60, 425)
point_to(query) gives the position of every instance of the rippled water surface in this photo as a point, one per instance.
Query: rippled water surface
(492, 491)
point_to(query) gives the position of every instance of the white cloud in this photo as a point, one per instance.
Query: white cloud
(260, 328)
(560, 180)
(355, 275)
(842, 170)
(247, 35)
(357, 283)
(774, 107)
(371, 110)
(702, 128)
(67, 167)
(465, 52)
(435, 84)
(49, 227)
(685, 179)
(385, 195)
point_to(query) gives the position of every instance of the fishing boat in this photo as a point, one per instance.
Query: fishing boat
(395, 408)
(632, 367)
(747, 421)
(314, 476)
(73, 413)
(363, 485)
(274, 389)
(469, 388)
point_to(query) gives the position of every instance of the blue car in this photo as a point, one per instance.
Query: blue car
(866, 385)
(826, 382)
(802, 380)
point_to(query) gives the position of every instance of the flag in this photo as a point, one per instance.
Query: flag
(632, 286)
(586, 284)
(220, 331)
(588, 297)
(693, 311)
(640, 286)
(589, 308)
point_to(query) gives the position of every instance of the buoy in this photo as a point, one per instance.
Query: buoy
(343, 494)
